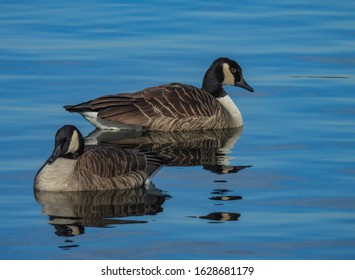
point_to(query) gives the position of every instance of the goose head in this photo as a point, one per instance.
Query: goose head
(224, 71)
(69, 143)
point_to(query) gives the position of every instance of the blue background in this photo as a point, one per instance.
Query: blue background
(299, 134)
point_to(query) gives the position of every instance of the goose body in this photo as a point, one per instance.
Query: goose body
(171, 107)
(72, 167)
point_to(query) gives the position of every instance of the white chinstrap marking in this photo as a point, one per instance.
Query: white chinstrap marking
(74, 143)
(228, 76)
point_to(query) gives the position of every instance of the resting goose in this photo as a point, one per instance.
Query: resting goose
(72, 167)
(171, 107)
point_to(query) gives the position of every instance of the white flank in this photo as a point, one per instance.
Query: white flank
(92, 118)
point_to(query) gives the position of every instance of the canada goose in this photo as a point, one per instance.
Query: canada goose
(171, 107)
(72, 167)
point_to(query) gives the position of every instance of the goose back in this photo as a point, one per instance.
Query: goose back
(169, 107)
(98, 168)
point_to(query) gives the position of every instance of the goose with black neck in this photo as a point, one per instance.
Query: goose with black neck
(171, 107)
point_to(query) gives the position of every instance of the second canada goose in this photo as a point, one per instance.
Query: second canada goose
(171, 107)
(71, 167)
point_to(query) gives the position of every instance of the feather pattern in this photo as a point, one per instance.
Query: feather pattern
(171, 107)
(155, 107)
(102, 167)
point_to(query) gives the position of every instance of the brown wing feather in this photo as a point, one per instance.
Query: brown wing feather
(110, 162)
(170, 101)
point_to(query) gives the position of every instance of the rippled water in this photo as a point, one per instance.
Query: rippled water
(283, 190)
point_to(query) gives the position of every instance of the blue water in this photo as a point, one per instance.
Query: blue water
(294, 199)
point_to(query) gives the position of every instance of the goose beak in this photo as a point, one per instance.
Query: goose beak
(56, 153)
(243, 84)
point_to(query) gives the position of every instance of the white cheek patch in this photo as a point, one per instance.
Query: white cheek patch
(228, 76)
(74, 143)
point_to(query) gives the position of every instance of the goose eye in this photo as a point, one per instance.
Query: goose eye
(233, 70)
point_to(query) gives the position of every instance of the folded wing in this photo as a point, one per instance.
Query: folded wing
(175, 101)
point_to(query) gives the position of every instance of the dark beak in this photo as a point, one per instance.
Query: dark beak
(56, 153)
(243, 84)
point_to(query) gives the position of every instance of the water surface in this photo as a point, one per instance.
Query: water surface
(283, 190)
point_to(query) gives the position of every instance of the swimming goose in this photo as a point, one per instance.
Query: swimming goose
(171, 107)
(72, 167)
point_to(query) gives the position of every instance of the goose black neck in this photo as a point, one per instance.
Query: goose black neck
(75, 155)
(212, 82)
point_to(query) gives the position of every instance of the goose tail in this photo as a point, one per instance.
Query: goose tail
(85, 106)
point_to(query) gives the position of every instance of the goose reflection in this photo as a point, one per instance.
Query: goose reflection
(71, 212)
(219, 217)
(207, 148)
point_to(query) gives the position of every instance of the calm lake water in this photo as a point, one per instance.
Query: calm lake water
(284, 190)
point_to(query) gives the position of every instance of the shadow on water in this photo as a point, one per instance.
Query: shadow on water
(71, 212)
